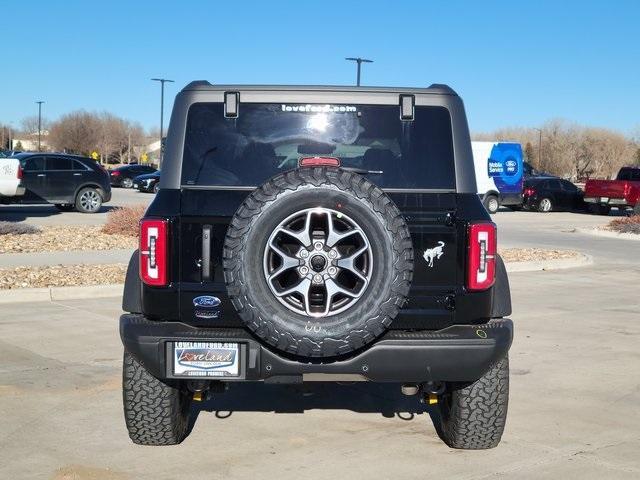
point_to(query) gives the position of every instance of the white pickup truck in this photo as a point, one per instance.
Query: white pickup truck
(10, 178)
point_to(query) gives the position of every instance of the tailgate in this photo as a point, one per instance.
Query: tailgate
(437, 237)
(605, 188)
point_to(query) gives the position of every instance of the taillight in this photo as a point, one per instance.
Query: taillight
(481, 260)
(19, 172)
(528, 192)
(115, 173)
(154, 262)
(319, 162)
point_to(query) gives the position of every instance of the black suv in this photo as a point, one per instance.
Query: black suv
(68, 181)
(317, 234)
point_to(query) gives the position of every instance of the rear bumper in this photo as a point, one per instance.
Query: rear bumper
(614, 202)
(456, 353)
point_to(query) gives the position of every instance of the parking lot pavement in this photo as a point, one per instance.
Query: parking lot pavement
(575, 373)
(44, 215)
(558, 230)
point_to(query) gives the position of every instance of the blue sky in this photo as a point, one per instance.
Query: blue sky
(513, 62)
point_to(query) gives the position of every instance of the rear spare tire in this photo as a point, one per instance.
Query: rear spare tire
(318, 262)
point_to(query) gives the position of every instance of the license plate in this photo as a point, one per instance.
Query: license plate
(206, 359)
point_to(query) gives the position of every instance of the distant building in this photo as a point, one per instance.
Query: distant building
(29, 141)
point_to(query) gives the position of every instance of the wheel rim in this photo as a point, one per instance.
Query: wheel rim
(545, 204)
(318, 262)
(493, 205)
(90, 200)
(127, 182)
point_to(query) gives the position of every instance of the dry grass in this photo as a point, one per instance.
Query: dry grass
(124, 221)
(512, 255)
(626, 224)
(61, 276)
(65, 239)
(16, 228)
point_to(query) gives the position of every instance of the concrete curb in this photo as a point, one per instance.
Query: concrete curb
(543, 265)
(54, 294)
(608, 234)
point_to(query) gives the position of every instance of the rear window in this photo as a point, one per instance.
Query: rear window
(267, 139)
(630, 174)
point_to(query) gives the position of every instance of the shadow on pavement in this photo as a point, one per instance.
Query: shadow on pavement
(360, 397)
(15, 213)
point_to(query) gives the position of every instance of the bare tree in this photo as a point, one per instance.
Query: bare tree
(76, 132)
(30, 125)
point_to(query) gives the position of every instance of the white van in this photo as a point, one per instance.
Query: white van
(499, 169)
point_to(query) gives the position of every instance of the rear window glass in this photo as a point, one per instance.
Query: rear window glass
(629, 174)
(267, 139)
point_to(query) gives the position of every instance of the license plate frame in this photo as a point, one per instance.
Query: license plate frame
(212, 359)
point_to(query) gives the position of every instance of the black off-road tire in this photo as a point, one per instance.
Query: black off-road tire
(473, 416)
(341, 333)
(155, 413)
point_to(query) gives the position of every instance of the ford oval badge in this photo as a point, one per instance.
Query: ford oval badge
(206, 301)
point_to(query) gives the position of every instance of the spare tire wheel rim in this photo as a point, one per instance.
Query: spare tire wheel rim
(318, 262)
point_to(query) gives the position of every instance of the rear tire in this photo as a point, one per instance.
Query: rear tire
(492, 204)
(545, 205)
(88, 200)
(155, 413)
(473, 416)
(599, 209)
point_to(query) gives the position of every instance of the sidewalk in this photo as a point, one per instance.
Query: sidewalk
(94, 257)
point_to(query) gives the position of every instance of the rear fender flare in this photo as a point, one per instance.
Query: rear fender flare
(501, 292)
(132, 295)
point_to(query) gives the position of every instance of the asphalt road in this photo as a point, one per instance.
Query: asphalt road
(49, 215)
(575, 391)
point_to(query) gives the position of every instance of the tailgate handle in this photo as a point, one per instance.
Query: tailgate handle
(206, 252)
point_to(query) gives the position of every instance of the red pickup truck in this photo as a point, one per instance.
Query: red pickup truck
(623, 192)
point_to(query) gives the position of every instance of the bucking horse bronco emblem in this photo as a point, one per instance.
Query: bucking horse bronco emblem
(431, 254)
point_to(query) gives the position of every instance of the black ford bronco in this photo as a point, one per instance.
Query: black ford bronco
(317, 234)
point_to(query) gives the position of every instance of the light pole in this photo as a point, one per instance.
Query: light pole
(359, 61)
(39, 102)
(162, 82)
(539, 146)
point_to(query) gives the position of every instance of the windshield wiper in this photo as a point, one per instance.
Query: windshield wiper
(363, 171)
